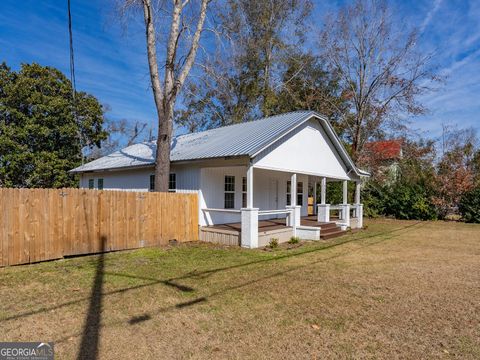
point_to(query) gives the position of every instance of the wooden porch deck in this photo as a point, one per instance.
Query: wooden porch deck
(271, 224)
(263, 225)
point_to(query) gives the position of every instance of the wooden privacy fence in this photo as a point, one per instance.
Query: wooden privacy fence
(46, 224)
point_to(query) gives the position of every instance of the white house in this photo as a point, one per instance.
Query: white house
(254, 180)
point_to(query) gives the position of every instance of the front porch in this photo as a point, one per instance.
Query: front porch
(310, 228)
(261, 204)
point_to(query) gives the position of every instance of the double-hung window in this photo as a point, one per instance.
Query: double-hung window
(100, 184)
(229, 198)
(172, 182)
(299, 193)
(91, 183)
(289, 193)
(152, 183)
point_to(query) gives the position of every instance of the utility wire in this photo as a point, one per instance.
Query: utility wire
(72, 58)
(72, 79)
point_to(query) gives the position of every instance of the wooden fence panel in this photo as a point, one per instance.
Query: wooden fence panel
(45, 224)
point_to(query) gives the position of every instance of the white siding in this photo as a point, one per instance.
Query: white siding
(270, 189)
(188, 177)
(133, 180)
(211, 195)
(139, 179)
(307, 150)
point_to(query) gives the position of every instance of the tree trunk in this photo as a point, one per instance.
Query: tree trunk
(165, 96)
(162, 158)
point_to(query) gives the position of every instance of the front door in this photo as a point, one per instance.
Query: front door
(310, 206)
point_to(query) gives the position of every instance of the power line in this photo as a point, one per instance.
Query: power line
(72, 58)
(72, 80)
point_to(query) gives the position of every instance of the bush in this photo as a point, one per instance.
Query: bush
(410, 202)
(294, 240)
(373, 198)
(273, 243)
(400, 200)
(469, 206)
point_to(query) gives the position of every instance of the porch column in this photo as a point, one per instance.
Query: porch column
(249, 216)
(323, 209)
(358, 205)
(323, 191)
(294, 220)
(315, 197)
(293, 190)
(357, 192)
(345, 207)
(249, 233)
(345, 192)
(250, 186)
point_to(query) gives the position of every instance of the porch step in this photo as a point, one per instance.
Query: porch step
(329, 225)
(333, 234)
(330, 230)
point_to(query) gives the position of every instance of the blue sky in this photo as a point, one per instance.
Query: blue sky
(111, 59)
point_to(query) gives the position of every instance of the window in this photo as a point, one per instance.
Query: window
(91, 183)
(244, 192)
(172, 183)
(100, 184)
(299, 193)
(152, 183)
(229, 192)
(289, 192)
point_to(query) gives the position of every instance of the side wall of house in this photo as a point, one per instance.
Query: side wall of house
(132, 179)
(187, 177)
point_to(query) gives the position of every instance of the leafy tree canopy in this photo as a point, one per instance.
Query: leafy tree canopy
(40, 138)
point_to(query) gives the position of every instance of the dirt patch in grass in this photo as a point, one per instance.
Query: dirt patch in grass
(397, 290)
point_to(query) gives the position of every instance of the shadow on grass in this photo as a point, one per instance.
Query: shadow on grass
(91, 329)
(173, 281)
(148, 316)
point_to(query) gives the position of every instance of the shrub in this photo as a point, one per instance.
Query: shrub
(273, 243)
(469, 206)
(400, 200)
(373, 198)
(409, 202)
(294, 240)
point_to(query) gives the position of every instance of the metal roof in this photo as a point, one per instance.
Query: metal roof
(232, 140)
(244, 139)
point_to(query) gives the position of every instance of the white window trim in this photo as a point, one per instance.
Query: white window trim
(229, 191)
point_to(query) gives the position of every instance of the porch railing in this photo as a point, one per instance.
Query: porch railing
(345, 212)
(274, 212)
(237, 211)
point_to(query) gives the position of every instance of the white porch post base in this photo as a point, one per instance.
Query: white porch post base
(345, 215)
(249, 232)
(295, 216)
(359, 214)
(323, 212)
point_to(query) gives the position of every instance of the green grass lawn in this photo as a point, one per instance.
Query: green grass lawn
(399, 289)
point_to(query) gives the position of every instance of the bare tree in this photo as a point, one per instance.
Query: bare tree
(380, 68)
(241, 79)
(184, 29)
(121, 133)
